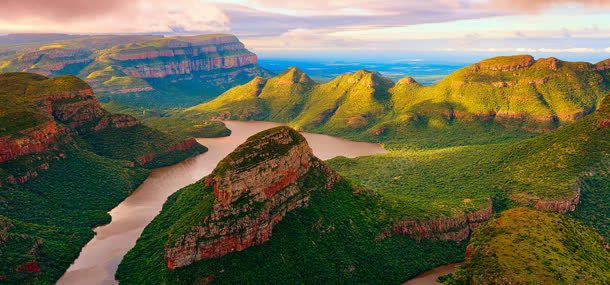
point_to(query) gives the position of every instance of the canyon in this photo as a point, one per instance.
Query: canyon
(124, 68)
(100, 258)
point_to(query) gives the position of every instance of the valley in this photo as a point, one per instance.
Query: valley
(100, 258)
(196, 165)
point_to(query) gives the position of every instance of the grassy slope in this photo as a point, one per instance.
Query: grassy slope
(524, 246)
(447, 181)
(366, 106)
(173, 125)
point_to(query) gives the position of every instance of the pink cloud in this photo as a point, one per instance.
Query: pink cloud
(60, 10)
(540, 5)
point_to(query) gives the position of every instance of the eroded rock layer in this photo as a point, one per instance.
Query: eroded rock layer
(254, 188)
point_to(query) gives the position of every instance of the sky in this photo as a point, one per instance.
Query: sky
(571, 29)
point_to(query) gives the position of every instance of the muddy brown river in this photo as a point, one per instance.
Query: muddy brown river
(99, 259)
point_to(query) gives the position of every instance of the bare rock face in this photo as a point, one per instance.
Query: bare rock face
(254, 187)
(456, 228)
(185, 57)
(554, 205)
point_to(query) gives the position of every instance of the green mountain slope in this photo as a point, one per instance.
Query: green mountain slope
(64, 162)
(524, 246)
(323, 230)
(490, 101)
(412, 210)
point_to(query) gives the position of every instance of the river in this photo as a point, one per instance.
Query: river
(430, 277)
(100, 258)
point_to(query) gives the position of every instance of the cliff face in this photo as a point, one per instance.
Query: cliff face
(254, 188)
(144, 65)
(50, 114)
(456, 228)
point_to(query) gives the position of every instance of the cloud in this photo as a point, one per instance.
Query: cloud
(535, 6)
(607, 49)
(111, 16)
(525, 50)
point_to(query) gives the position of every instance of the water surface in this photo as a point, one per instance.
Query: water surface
(99, 259)
(429, 277)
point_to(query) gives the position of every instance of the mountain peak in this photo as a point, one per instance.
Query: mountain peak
(603, 65)
(262, 146)
(407, 80)
(253, 188)
(507, 63)
(367, 78)
(294, 75)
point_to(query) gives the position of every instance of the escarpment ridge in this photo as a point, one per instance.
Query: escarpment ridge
(138, 70)
(42, 115)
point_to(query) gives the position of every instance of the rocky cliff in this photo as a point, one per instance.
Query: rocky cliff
(254, 187)
(457, 228)
(150, 66)
(522, 246)
(43, 115)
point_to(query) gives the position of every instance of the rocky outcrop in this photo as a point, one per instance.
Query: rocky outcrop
(456, 228)
(185, 57)
(254, 187)
(32, 140)
(506, 63)
(567, 204)
(190, 66)
(182, 146)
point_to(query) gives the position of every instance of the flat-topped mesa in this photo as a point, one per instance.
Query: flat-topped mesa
(507, 63)
(184, 55)
(254, 187)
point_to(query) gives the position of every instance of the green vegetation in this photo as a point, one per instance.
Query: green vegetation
(255, 152)
(133, 142)
(72, 182)
(524, 246)
(330, 241)
(449, 181)
(336, 238)
(113, 66)
(59, 208)
(499, 99)
(164, 121)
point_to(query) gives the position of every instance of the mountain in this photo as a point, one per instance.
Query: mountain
(272, 212)
(497, 97)
(64, 162)
(388, 218)
(524, 246)
(152, 71)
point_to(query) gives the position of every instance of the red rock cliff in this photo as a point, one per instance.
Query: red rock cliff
(253, 188)
(457, 228)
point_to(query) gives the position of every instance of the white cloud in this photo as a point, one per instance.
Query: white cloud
(139, 16)
(607, 49)
(526, 50)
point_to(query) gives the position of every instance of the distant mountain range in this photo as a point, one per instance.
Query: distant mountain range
(516, 92)
(152, 71)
